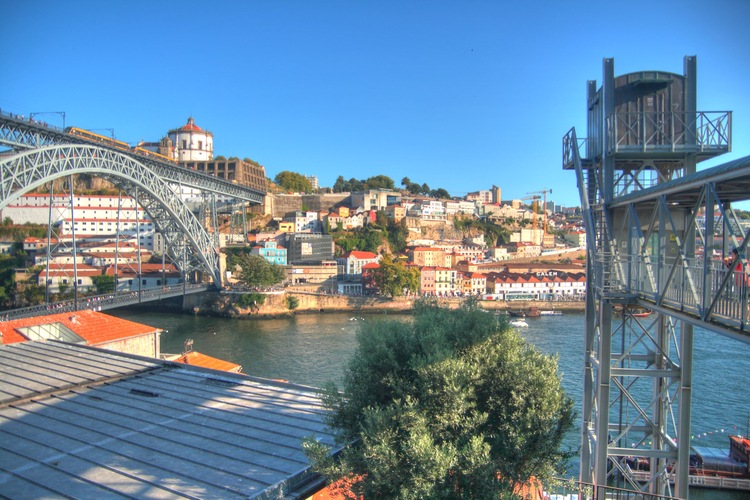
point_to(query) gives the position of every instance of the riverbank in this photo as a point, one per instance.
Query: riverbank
(277, 304)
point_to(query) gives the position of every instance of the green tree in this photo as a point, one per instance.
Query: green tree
(379, 182)
(397, 235)
(292, 181)
(340, 185)
(292, 302)
(440, 193)
(392, 278)
(104, 283)
(405, 182)
(258, 272)
(452, 404)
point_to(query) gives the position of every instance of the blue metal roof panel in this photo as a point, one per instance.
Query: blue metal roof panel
(150, 428)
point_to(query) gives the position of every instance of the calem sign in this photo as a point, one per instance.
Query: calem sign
(545, 274)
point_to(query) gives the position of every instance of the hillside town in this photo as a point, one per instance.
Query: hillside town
(478, 244)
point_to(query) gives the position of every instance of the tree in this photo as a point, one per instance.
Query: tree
(392, 278)
(453, 404)
(440, 193)
(380, 182)
(340, 185)
(406, 182)
(292, 181)
(104, 283)
(258, 272)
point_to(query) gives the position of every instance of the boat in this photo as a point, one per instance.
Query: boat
(636, 312)
(516, 314)
(521, 323)
(642, 313)
(551, 313)
(533, 312)
(711, 468)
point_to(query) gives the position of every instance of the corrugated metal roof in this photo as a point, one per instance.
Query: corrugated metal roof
(81, 422)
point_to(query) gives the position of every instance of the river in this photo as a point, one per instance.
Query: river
(312, 349)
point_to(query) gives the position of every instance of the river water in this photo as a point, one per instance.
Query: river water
(312, 349)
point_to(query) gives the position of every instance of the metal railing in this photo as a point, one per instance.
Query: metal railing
(669, 131)
(709, 292)
(569, 489)
(104, 301)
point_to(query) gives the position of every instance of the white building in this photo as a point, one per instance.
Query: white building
(305, 222)
(191, 143)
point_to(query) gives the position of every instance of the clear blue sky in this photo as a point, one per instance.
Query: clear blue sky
(456, 94)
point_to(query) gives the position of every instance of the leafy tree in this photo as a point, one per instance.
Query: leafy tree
(292, 181)
(453, 404)
(392, 278)
(340, 185)
(258, 272)
(362, 238)
(405, 182)
(292, 302)
(104, 283)
(34, 294)
(375, 182)
(425, 189)
(252, 299)
(380, 182)
(414, 188)
(397, 235)
(440, 193)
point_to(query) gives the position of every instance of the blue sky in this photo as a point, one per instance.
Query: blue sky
(461, 95)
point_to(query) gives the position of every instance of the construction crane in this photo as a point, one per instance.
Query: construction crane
(534, 203)
(536, 197)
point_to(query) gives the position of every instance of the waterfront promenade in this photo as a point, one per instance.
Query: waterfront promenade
(314, 302)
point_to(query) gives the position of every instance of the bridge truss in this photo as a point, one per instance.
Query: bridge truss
(656, 230)
(41, 155)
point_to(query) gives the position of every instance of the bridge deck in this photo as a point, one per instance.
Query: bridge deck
(106, 301)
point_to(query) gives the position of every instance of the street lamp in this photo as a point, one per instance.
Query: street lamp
(61, 113)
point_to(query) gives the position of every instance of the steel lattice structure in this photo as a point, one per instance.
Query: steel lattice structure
(651, 236)
(21, 135)
(42, 154)
(24, 171)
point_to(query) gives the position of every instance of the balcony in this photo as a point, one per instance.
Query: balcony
(638, 135)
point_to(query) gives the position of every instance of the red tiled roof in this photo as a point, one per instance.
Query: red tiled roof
(190, 126)
(198, 359)
(94, 327)
(357, 254)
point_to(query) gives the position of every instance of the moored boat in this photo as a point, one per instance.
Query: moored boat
(519, 323)
(553, 312)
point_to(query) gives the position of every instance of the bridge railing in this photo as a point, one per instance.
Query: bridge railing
(104, 301)
(571, 489)
(711, 292)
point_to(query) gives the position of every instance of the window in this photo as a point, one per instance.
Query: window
(184, 144)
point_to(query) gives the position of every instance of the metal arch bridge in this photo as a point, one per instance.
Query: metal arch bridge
(40, 154)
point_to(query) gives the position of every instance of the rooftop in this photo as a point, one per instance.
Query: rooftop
(93, 327)
(87, 423)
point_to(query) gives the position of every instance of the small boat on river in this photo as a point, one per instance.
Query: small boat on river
(551, 313)
(519, 323)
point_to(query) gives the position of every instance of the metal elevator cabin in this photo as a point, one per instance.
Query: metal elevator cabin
(657, 232)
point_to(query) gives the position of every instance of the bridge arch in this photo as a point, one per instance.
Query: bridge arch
(24, 171)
